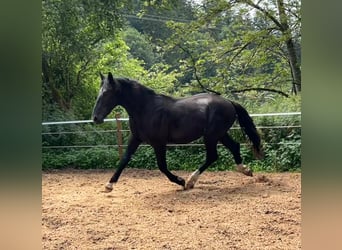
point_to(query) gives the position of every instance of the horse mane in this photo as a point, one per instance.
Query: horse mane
(134, 86)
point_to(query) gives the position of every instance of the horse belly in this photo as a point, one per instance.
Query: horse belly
(185, 134)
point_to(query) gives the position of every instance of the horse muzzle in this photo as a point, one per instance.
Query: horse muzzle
(96, 120)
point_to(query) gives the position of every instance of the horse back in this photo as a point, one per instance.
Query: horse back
(200, 115)
(168, 120)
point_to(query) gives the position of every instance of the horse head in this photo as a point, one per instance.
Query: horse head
(107, 98)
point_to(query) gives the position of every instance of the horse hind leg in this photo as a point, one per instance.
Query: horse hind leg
(210, 158)
(190, 182)
(234, 148)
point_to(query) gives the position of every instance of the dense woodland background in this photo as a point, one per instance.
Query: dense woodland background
(248, 51)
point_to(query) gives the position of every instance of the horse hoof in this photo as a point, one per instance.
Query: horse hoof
(244, 169)
(189, 186)
(190, 183)
(108, 190)
(248, 173)
(108, 187)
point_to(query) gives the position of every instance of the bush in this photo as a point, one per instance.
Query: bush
(285, 158)
(92, 158)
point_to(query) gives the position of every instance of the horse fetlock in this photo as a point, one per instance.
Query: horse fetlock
(181, 181)
(244, 169)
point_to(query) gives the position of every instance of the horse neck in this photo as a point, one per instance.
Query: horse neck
(136, 98)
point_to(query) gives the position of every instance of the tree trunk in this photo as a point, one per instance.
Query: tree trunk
(295, 68)
(292, 54)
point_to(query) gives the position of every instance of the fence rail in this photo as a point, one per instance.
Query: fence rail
(127, 119)
(119, 132)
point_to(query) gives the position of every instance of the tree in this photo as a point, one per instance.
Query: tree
(287, 18)
(71, 34)
(248, 47)
(141, 47)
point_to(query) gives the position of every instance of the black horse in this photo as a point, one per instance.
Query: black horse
(158, 119)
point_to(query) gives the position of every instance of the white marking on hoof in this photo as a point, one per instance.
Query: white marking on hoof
(109, 187)
(190, 183)
(244, 169)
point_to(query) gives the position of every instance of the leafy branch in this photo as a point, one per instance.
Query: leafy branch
(193, 64)
(260, 89)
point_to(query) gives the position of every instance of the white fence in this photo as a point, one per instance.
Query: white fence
(126, 119)
(119, 131)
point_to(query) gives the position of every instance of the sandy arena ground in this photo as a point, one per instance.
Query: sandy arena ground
(225, 210)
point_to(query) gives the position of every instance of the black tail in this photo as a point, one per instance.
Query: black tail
(249, 128)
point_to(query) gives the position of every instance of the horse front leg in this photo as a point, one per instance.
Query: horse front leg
(160, 152)
(133, 144)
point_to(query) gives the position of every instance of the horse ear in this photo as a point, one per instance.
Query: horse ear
(111, 78)
(102, 76)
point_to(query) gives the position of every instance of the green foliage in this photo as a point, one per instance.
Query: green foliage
(223, 47)
(284, 158)
(93, 158)
(289, 155)
(229, 50)
(140, 47)
(71, 31)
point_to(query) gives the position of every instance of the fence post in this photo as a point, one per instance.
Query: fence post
(119, 133)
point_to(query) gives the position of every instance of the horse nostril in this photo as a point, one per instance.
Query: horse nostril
(95, 119)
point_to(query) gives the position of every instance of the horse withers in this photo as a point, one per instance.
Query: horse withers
(159, 119)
